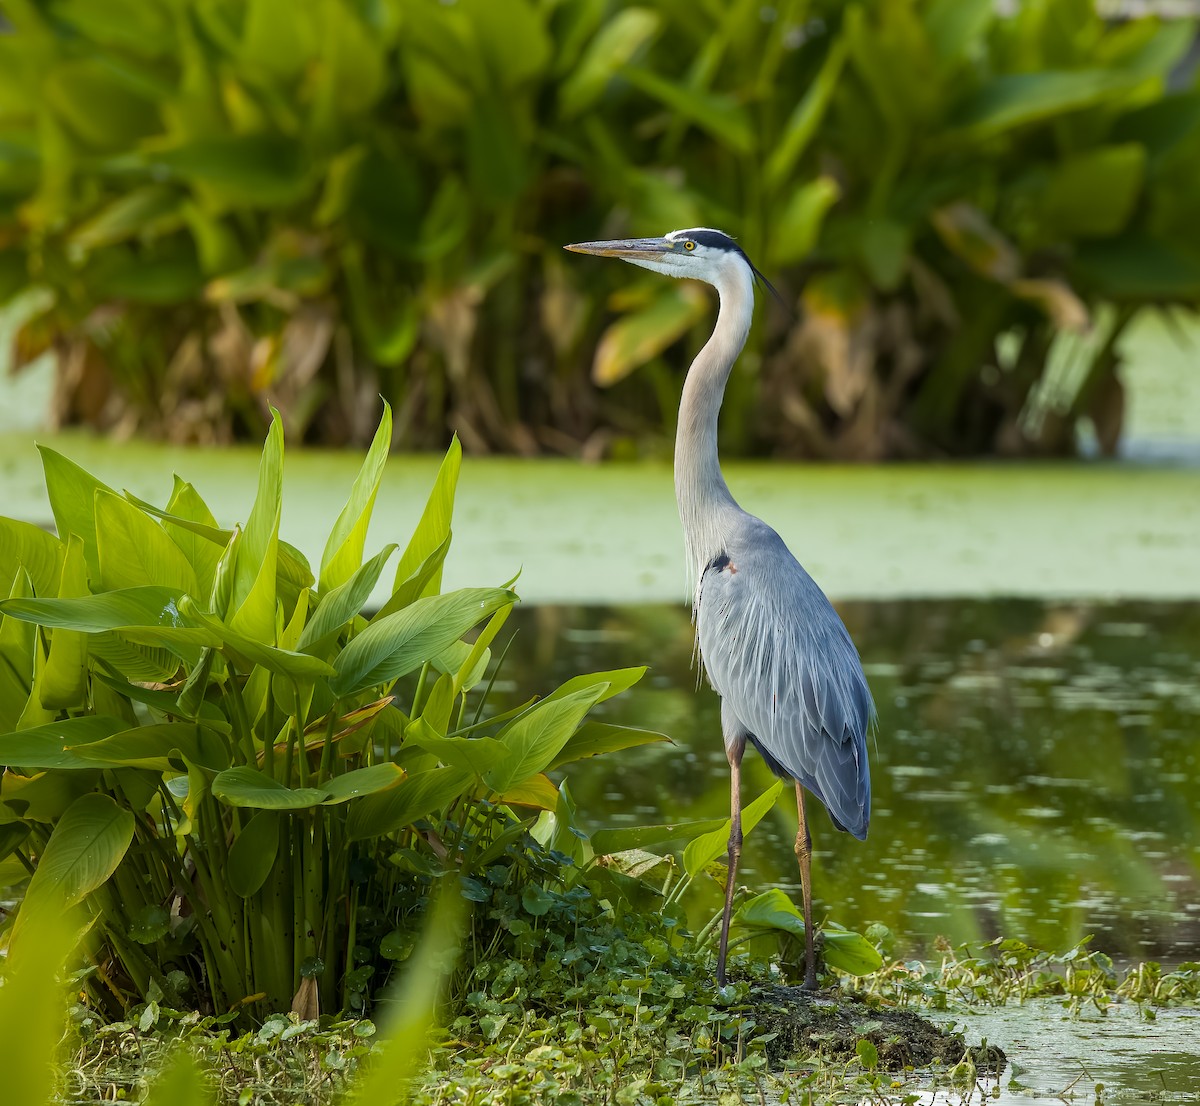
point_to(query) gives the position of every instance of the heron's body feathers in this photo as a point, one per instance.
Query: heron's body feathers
(788, 674)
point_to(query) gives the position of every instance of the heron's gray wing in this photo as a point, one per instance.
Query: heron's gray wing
(781, 659)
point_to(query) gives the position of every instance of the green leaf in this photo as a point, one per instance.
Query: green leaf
(141, 210)
(149, 615)
(371, 780)
(162, 747)
(135, 551)
(1016, 99)
(202, 548)
(72, 491)
(419, 796)
(56, 745)
(704, 850)
(614, 682)
(85, 848)
(23, 545)
(180, 1083)
(719, 114)
(477, 755)
(253, 598)
(433, 530)
(400, 643)
(250, 170)
(536, 901)
(344, 548)
(847, 951)
(244, 786)
(868, 1054)
(534, 739)
(595, 738)
(339, 605)
(623, 838)
(1092, 194)
(64, 679)
(806, 118)
(247, 651)
(641, 335)
(613, 46)
(801, 220)
(252, 854)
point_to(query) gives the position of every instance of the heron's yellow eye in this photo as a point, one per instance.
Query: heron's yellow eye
(689, 245)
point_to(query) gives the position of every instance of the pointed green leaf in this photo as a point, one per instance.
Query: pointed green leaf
(247, 787)
(534, 739)
(595, 738)
(363, 781)
(344, 548)
(162, 747)
(642, 334)
(477, 755)
(339, 605)
(623, 838)
(419, 796)
(718, 113)
(704, 850)
(252, 603)
(247, 651)
(423, 580)
(850, 952)
(64, 681)
(23, 545)
(252, 854)
(806, 118)
(55, 745)
(434, 527)
(72, 491)
(85, 848)
(614, 45)
(202, 550)
(400, 643)
(134, 550)
(616, 681)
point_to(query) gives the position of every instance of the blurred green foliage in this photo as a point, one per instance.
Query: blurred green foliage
(227, 204)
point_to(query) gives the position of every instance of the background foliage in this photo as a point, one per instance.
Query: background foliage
(225, 204)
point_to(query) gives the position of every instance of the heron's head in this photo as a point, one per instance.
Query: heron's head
(700, 253)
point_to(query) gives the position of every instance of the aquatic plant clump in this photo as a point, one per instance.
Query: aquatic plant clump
(248, 783)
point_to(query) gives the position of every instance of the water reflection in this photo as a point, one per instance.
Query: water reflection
(1035, 771)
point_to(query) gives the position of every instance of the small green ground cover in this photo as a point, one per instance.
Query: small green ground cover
(583, 1008)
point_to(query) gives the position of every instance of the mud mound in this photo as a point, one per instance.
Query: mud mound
(830, 1024)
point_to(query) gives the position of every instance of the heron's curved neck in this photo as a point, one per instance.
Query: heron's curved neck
(705, 503)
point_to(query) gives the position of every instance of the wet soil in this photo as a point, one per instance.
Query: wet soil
(831, 1025)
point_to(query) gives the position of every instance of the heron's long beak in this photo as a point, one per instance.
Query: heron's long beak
(629, 249)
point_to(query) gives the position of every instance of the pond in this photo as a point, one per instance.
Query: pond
(1035, 767)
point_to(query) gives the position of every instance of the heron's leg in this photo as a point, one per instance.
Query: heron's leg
(804, 856)
(734, 752)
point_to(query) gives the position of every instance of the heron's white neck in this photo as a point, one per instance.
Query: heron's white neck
(705, 503)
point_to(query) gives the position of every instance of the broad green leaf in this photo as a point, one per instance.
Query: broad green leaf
(410, 1011)
(536, 791)
(341, 603)
(45, 797)
(64, 680)
(150, 615)
(425, 579)
(252, 854)
(179, 1083)
(433, 530)
(1138, 267)
(621, 839)
(400, 643)
(704, 850)
(161, 747)
(954, 25)
(1017, 99)
(1092, 194)
(344, 548)
(370, 780)
(252, 605)
(33, 1008)
(594, 738)
(243, 649)
(719, 114)
(12, 836)
(884, 246)
(72, 491)
(476, 754)
(615, 681)
(23, 545)
(55, 745)
(419, 796)
(141, 210)
(806, 118)
(255, 170)
(850, 952)
(801, 219)
(644, 333)
(202, 548)
(247, 787)
(613, 46)
(135, 551)
(534, 739)
(84, 849)
(18, 642)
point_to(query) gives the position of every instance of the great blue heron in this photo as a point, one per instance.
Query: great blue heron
(774, 649)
